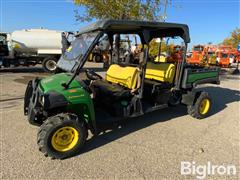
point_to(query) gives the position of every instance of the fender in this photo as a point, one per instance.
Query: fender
(53, 99)
(56, 101)
(190, 97)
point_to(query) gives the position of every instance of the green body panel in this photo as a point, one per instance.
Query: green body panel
(78, 98)
(202, 75)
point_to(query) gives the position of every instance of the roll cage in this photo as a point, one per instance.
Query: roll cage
(146, 30)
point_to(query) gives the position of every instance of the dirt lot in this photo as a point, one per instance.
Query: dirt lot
(149, 147)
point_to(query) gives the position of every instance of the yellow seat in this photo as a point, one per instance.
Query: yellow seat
(124, 76)
(160, 59)
(163, 72)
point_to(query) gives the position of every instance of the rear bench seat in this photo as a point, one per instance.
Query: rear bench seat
(127, 76)
(161, 72)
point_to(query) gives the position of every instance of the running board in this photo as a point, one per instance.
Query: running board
(154, 108)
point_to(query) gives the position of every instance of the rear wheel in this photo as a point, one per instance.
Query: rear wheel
(62, 136)
(201, 107)
(50, 64)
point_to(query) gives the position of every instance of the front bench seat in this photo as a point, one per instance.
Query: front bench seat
(118, 83)
(124, 76)
(113, 92)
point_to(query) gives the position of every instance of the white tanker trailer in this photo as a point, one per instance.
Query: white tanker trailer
(33, 46)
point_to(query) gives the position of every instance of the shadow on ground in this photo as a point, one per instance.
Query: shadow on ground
(220, 98)
(24, 70)
(26, 79)
(131, 125)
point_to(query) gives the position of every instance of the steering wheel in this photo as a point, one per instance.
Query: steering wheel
(92, 75)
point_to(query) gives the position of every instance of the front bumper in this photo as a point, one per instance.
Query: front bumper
(32, 106)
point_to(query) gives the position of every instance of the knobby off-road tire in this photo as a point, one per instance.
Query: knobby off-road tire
(201, 107)
(61, 136)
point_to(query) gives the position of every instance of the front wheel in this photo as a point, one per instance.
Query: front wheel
(62, 136)
(201, 107)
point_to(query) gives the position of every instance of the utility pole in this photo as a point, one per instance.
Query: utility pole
(165, 11)
(164, 19)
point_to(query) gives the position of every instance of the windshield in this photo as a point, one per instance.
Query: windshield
(76, 51)
(224, 55)
(211, 53)
(198, 48)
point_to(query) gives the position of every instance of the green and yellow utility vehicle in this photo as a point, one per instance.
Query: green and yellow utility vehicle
(68, 105)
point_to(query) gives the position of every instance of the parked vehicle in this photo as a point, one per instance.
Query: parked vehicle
(237, 57)
(3, 45)
(33, 46)
(211, 54)
(198, 55)
(66, 106)
(226, 55)
(100, 51)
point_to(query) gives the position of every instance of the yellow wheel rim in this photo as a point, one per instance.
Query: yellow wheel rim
(204, 106)
(64, 139)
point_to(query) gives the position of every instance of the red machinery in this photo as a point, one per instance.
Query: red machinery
(213, 55)
(237, 57)
(176, 54)
(226, 55)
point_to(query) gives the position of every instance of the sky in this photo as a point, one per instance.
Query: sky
(208, 20)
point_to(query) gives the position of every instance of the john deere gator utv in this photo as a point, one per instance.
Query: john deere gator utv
(68, 105)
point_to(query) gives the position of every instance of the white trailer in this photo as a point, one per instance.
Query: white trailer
(33, 46)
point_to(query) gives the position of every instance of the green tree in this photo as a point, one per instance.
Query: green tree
(234, 38)
(122, 9)
(165, 48)
(154, 46)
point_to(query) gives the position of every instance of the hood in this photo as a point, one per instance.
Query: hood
(55, 82)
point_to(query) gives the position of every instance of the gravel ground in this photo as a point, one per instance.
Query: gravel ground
(149, 147)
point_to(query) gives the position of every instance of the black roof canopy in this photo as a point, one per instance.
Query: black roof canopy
(154, 29)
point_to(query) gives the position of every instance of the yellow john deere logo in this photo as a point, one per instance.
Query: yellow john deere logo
(73, 97)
